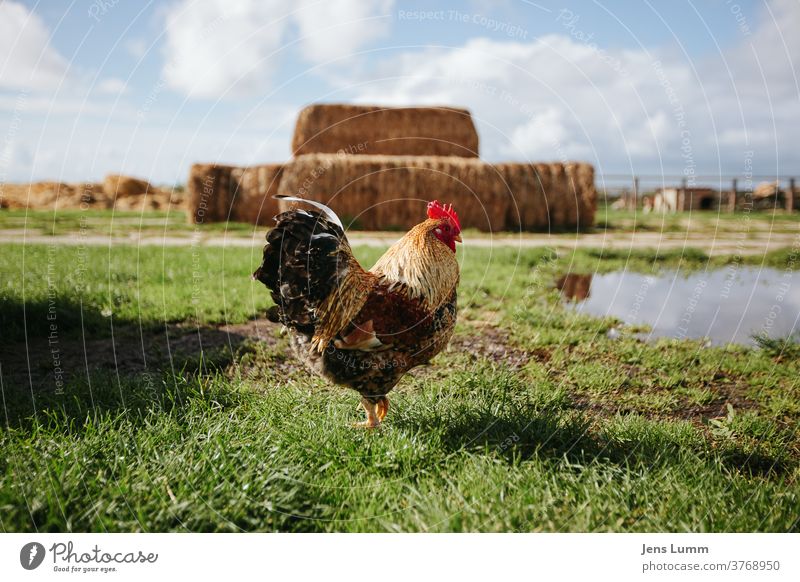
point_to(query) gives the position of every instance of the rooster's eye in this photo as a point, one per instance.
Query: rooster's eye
(447, 228)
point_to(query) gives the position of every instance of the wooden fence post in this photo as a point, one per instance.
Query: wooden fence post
(732, 197)
(790, 196)
(682, 196)
(635, 193)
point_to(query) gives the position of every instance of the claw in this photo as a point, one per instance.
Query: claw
(383, 407)
(366, 424)
(373, 415)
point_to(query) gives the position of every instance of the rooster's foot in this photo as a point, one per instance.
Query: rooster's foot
(376, 411)
(367, 424)
(383, 407)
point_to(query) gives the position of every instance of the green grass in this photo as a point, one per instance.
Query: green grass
(712, 222)
(173, 223)
(482, 450)
(115, 223)
(89, 287)
(543, 424)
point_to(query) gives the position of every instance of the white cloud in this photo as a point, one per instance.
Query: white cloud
(85, 141)
(27, 61)
(550, 98)
(535, 138)
(220, 46)
(136, 47)
(556, 97)
(337, 28)
(112, 86)
(232, 47)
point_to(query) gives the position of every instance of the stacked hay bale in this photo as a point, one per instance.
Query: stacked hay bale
(526, 208)
(581, 183)
(378, 166)
(392, 131)
(217, 193)
(253, 201)
(209, 193)
(391, 192)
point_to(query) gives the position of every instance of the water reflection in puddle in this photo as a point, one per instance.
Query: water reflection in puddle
(726, 305)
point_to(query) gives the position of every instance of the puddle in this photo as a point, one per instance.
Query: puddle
(727, 305)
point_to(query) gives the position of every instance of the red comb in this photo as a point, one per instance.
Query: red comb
(437, 211)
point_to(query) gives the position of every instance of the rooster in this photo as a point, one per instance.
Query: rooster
(358, 328)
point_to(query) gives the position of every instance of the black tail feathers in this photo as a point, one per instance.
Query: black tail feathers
(304, 258)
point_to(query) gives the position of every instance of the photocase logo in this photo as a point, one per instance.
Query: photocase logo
(31, 555)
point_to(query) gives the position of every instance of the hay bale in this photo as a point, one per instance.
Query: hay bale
(87, 195)
(527, 208)
(518, 185)
(84, 195)
(218, 193)
(549, 195)
(582, 182)
(253, 200)
(556, 193)
(209, 193)
(48, 195)
(540, 218)
(390, 192)
(119, 186)
(371, 130)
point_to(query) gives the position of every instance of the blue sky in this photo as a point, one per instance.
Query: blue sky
(88, 88)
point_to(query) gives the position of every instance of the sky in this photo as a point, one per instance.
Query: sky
(680, 88)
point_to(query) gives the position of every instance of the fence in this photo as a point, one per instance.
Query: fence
(726, 192)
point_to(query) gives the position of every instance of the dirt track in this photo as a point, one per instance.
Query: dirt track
(733, 243)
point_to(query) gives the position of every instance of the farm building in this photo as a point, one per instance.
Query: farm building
(684, 199)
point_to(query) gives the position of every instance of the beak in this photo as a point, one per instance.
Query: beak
(457, 238)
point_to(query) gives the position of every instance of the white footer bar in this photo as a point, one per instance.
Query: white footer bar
(406, 557)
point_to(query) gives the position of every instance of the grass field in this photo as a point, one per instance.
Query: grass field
(174, 223)
(182, 409)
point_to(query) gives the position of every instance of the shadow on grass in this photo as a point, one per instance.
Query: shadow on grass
(37, 318)
(64, 382)
(133, 397)
(558, 434)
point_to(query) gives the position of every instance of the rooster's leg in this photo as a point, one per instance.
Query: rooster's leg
(383, 407)
(373, 420)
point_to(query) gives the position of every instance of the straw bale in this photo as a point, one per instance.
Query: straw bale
(556, 192)
(387, 192)
(119, 186)
(581, 177)
(390, 192)
(49, 195)
(372, 130)
(209, 193)
(527, 207)
(218, 193)
(253, 201)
